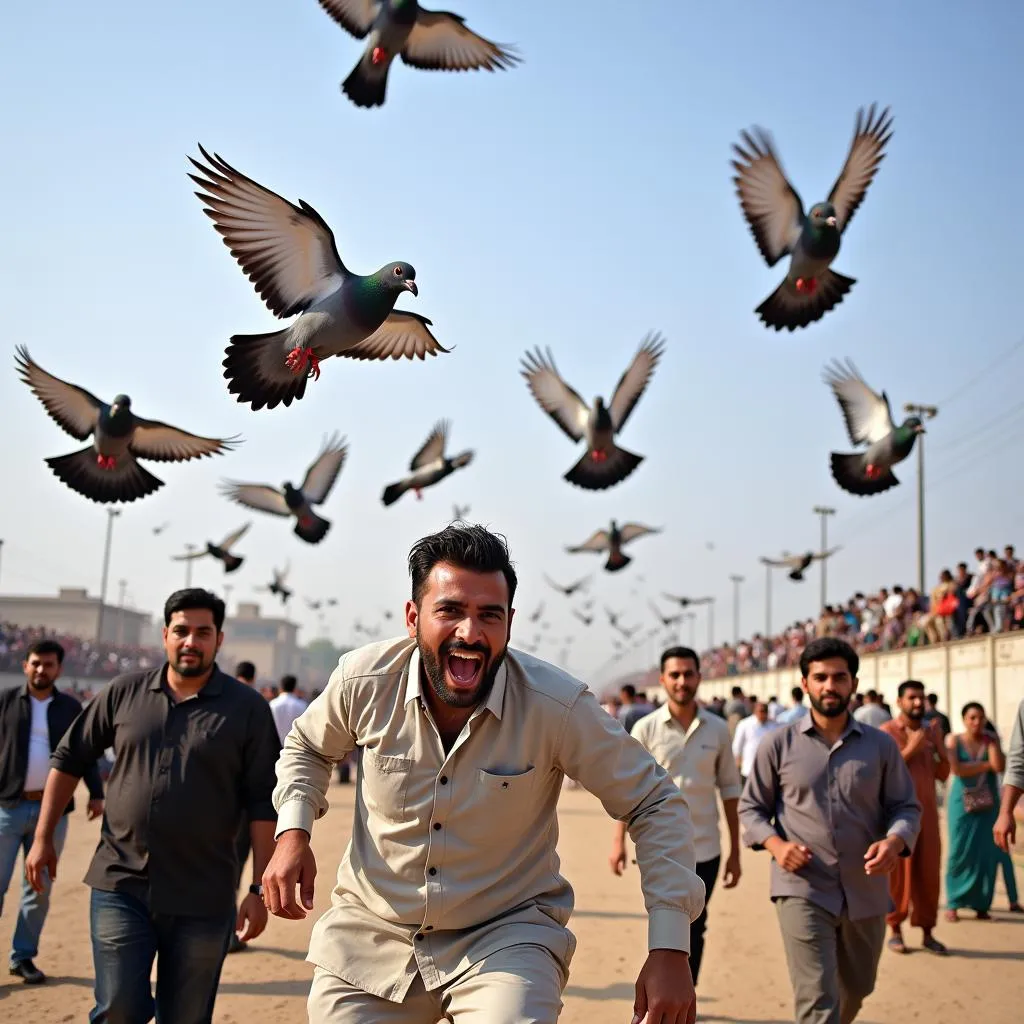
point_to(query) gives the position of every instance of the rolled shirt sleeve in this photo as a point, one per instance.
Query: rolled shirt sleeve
(1014, 774)
(594, 750)
(759, 799)
(91, 733)
(730, 786)
(899, 801)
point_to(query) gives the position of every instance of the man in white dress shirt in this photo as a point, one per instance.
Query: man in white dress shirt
(748, 736)
(286, 707)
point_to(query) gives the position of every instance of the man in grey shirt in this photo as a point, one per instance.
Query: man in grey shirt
(833, 802)
(1005, 830)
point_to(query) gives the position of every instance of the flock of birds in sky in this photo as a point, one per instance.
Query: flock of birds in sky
(288, 252)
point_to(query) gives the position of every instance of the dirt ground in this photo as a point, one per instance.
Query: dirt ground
(743, 980)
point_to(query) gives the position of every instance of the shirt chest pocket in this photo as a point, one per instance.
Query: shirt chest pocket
(858, 781)
(385, 784)
(503, 804)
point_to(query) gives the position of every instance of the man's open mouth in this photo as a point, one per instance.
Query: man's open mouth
(464, 667)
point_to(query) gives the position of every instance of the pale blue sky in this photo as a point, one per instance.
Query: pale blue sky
(576, 201)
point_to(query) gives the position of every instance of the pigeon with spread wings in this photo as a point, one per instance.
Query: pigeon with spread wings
(869, 422)
(297, 502)
(221, 551)
(429, 465)
(571, 588)
(604, 463)
(276, 586)
(798, 563)
(107, 470)
(428, 40)
(290, 255)
(775, 214)
(612, 540)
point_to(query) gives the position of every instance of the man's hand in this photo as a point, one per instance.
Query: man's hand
(664, 989)
(731, 877)
(252, 918)
(617, 858)
(1004, 832)
(42, 857)
(918, 738)
(94, 809)
(882, 857)
(788, 855)
(292, 864)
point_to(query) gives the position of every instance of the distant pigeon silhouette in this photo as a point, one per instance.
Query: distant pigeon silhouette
(429, 40)
(571, 588)
(665, 620)
(277, 585)
(612, 540)
(604, 463)
(775, 215)
(290, 255)
(429, 465)
(157, 530)
(585, 619)
(314, 605)
(798, 563)
(686, 602)
(869, 422)
(221, 551)
(106, 471)
(535, 615)
(459, 512)
(297, 501)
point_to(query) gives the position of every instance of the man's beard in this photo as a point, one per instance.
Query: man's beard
(915, 714)
(433, 665)
(40, 682)
(833, 710)
(191, 669)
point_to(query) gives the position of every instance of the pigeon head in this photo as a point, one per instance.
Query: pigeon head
(913, 425)
(399, 277)
(822, 215)
(120, 402)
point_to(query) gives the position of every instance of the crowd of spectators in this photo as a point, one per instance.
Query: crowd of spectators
(988, 598)
(83, 659)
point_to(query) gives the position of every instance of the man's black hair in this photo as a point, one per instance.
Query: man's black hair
(195, 599)
(467, 547)
(245, 670)
(680, 652)
(826, 647)
(44, 647)
(909, 684)
(288, 684)
(797, 694)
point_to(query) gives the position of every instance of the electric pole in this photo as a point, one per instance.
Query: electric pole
(112, 513)
(824, 513)
(188, 566)
(767, 601)
(924, 412)
(736, 581)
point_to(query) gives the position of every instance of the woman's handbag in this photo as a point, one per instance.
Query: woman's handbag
(978, 797)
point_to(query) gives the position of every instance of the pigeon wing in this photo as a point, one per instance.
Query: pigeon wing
(772, 206)
(189, 557)
(402, 334)
(74, 408)
(633, 530)
(354, 16)
(233, 538)
(324, 471)
(440, 41)
(161, 442)
(433, 447)
(287, 251)
(597, 541)
(780, 562)
(561, 402)
(258, 496)
(633, 382)
(870, 134)
(867, 414)
(819, 555)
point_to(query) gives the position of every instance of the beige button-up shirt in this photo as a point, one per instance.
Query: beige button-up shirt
(698, 760)
(453, 856)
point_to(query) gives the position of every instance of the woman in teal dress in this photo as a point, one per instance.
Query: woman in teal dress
(975, 759)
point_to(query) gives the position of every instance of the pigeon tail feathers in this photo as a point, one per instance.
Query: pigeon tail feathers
(127, 481)
(254, 366)
(233, 562)
(596, 475)
(849, 472)
(617, 560)
(367, 83)
(312, 529)
(393, 492)
(789, 308)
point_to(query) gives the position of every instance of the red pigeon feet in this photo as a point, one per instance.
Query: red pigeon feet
(378, 55)
(303, 360)
(872, 472)
(806, 286)
(599, 456)
(418, 493)
(106, 461)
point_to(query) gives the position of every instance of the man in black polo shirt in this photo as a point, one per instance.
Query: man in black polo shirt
(245, 672)
(33, 718)
(195, 748)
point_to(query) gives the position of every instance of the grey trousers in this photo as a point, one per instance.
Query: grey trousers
(832, 961)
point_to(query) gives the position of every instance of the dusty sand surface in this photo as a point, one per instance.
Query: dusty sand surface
(743, 980)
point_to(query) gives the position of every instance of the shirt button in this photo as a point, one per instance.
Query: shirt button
(419, 938)
(429, 928)
(444, 780)
(432, 871)
(437, 826)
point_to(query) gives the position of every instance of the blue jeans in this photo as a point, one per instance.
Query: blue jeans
(17, 828)
(189, 952)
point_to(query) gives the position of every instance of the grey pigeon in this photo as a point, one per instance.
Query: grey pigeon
(535, 615)
(775, 214)
(459, 512)
(297, 501)
(585, 619)
(314, 606)
(868, 421)
(571, 588)
(429, 465)
(276, 586)
(611, 540)
(157, 530)
(106, 470)
(289, 253)
(665, 620)
(798, 563)
(429, 40)
(685, 602)
(604, 463)
(221, 551)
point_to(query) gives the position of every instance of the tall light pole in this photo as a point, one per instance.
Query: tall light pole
(823, 512)
(736, 581)
(227, 597)
(1, 549)
(767, 601)
(692, 618)
(122, 587)
(925, 412)
(188, 565)
(112, 514)
(711, 624)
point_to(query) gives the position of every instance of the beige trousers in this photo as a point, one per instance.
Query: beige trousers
(517, 985)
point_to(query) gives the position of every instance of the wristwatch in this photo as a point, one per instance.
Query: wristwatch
(256, 890)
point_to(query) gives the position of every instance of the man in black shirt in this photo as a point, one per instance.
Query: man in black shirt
(33, 718)
(245, 672)
(194, 749)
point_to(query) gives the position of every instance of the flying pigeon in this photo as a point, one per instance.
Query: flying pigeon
(774, 212)
(611, 540)
(332, 602)
(297, 501)
(613, 617)
(429, 40)
(290, 255)
(571, 588)
(604, 463)
(277, 585)
(868, 421)
(157, 530)
(429, 465)
(798, 563)
(460, 512)
(585, 619)
(221, 551)
(666, 620)
(106, 470)
(537, 613)
(685, 602)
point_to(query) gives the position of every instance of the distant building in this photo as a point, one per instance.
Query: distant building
(271, 644)
(74, 613)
